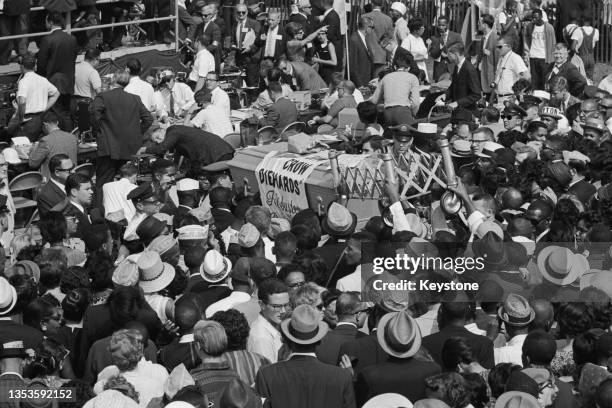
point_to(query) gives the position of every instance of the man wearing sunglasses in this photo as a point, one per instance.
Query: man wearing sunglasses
(303, 16)
(512, 116)
(54, 191)
(510, 68)
(244, 34)
(210, 28)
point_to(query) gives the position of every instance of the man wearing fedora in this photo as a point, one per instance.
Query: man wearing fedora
(215, 273)
(400, 337)
(516, 315)
(12, 356)
(302, 381)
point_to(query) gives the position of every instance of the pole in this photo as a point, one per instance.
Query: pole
(176, 26)
(346, 56)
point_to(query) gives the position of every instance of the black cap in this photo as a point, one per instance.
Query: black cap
(514, 109)
(150, 228)
(12, 349)
(141, 193)
(402, 132)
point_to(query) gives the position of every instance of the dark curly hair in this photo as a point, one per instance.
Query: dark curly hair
(30, 253)
(583, 349)
(314, 266)
(236, 328)
(498, 377)
(454, 351)
(452, 387)
(477, 389)
(49, 356)
(74, 277)
(99, 267)
(82, 393)
(601, 306)
(573, 318)
(27, 291)
(566, 211)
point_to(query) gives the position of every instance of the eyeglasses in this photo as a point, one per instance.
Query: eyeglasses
(500, 46)
(69, 170)
(241, 12)
(206, 15)
(508, 117)
(154, 202)
(320, 306)
(279, 308)
(297, 285)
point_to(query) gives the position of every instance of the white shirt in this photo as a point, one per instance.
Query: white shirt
(220, 98)
(158, 304)
(579, 35)
(351, 282)
(203, 64)
(147, 378)
(212, 119)
(268, 245)
(512, 352)
(36, 90)
(115, 198)
(183, 99)
(606, 84)
(361, 35)
(144, 90)
(418, 49)
(538, 43)
(86, 80)
(130, 230)
(507, 73)
(264, 339)
(227, 303)
(270, 47)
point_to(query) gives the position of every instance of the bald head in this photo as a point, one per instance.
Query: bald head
(273, 19)
(348, 87)
(186, 313)
(544, 315)
(512, 199)
(347, 305)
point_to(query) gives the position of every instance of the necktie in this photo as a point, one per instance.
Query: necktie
(270, 42)
(240, 26)
(171, 103)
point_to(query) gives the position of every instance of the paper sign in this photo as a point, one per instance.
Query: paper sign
(282, 183)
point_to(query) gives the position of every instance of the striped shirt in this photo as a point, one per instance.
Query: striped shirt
(246, 364)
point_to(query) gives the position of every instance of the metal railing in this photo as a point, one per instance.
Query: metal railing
(69, 29)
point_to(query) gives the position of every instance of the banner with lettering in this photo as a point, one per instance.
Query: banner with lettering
(282, 182)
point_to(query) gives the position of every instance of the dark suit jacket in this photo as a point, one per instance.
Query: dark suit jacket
(305, 382)
(122, 120)
(8, 383)
(195, 144)
(436, 50)
(366, 350)
(482, 347)
(215, 33)
(223, 219)
(176, 353)
(280, 114)
(281, 42)
(583, 190)
(383, 24)
(361, 61)
(306, 22)
(11, 331)
(328, 350)
(57, 55)
(465, 86)
(575, 81)
(206, 293)
(401, 376)
(332, 20)
(254, 54)
(49, 196)
(414, 68)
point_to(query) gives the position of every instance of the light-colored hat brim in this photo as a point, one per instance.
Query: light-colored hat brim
(380, 335)
(320, 333)
(8, 309)
(503, 399)
(573, 274)
(515, 324)
(160, 282)
(219, 277)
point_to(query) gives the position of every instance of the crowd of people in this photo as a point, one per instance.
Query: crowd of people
(158, 281)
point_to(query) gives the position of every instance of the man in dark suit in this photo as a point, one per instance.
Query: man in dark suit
(438, 48)
(78, 201)
(334, 34)
(57, 54)
(212, 30)
(244, 35)
(303, 381)
(303, 16)
(220, 201)
(351, 316)
(563, 67)
(122, 119)
(465, 89)
(399, 335)
(183, 350)
(282, 112)
(200, 147)
(54, 191)
(383, 24)
(14, 21)
(271, 40)
(451, 320)
(360, 52)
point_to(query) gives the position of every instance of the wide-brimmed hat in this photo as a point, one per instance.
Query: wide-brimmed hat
(388, 400)
(398, 334)
(560, 265)
(339, 221)
(215, 267)
(127, 273)
(305, 325)
(461, 148)
(425, 130)
(491, 249)
(154, 274)
(516, 311)
(488, 149)
(599, 279)
(542, 95)
(248, 235)
(516, 399)
(8, 296)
